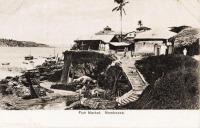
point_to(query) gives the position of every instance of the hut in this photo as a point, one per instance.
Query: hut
(154, 41)
(187, 39)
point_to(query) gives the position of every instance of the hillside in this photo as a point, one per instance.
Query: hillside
(15, 43)
(174, 83)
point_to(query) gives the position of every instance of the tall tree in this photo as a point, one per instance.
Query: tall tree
(120, 8)
(140, 23)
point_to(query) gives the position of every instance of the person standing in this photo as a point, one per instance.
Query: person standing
(185, 51)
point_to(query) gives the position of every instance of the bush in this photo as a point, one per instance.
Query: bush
(173, 83)
(85, 63)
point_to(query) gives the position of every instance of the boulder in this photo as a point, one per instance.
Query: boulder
(3, 88)
(98, 103)
(21, 91)
(84, 80)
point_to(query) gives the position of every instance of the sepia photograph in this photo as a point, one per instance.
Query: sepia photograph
(94, 55)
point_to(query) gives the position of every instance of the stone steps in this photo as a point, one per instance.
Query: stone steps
(134, 78)
(127, 98)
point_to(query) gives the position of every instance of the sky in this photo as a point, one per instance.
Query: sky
(60, 22)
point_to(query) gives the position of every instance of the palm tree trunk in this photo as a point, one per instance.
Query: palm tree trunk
(121, 22)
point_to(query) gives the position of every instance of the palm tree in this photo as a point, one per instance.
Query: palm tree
(120, 8)
(140, 23)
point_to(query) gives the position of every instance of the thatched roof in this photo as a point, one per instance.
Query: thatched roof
(186, 37)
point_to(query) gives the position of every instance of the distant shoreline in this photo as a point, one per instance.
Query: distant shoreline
(15, 43)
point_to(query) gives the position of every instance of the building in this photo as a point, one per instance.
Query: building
(95, 42)
(153, 41)
(143, 28)
(103, 40)
(108, 31)
(189, 39)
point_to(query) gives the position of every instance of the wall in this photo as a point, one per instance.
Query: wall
(149, 47)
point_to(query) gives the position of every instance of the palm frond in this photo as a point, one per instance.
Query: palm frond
(114, 9)
(123, 4)
(119, 1)
(124, 11)
(119, 8)
(126, 2)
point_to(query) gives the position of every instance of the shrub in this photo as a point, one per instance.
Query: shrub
(85, 63)
(178, 88)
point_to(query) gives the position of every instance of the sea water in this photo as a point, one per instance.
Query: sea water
(15, 56)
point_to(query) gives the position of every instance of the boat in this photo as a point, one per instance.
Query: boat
(5, 63)
(25, 63)
(31, 62)
(29, 57)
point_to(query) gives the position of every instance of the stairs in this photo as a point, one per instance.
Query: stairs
(135, 79)
(127, 98)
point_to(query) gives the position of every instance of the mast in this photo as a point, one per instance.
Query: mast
(30, 51)
(54, 52)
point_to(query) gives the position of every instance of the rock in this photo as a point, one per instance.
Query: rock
(21, 91)
(3, 88)
(98, 92)
(84, 80)
(98, 103)
(8, 105)
(43, 78)
(10, 83)
(16, 78)
(9, 90)
(3, 81)
(9, 78)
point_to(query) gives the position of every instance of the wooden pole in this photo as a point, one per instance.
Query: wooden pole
(32, 90)
(121, 20)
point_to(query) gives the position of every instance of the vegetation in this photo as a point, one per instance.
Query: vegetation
(80, 63)
(186, 37)
(15, 43)
(173, 83)
(178, 29)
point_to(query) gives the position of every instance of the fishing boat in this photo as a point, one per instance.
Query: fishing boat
(31, 62)
(29, 57)
(5, 63)
(25, 63)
